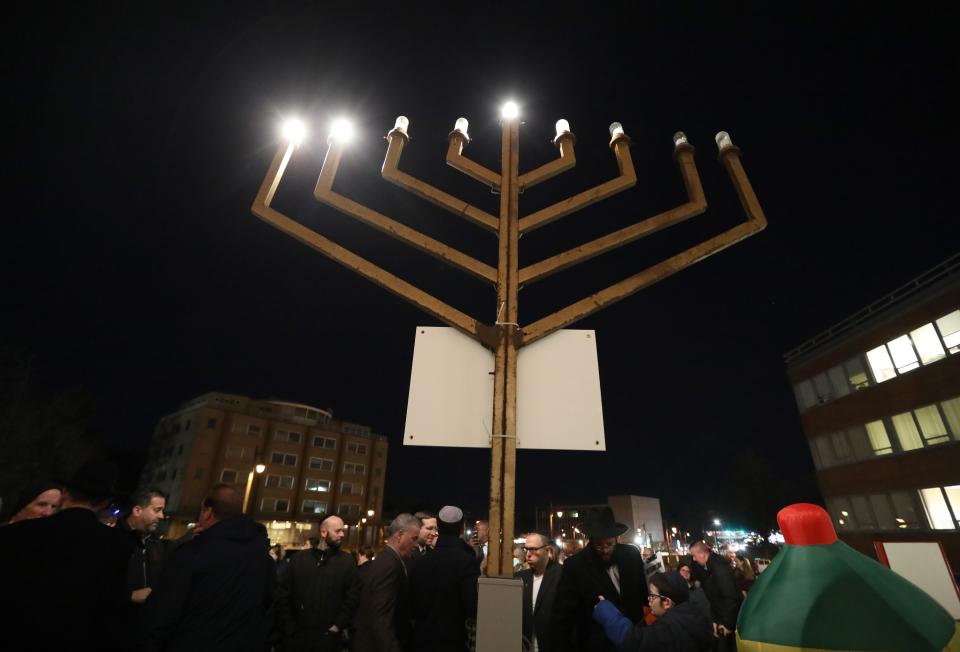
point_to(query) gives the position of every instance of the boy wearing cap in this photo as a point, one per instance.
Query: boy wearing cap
(680, 625)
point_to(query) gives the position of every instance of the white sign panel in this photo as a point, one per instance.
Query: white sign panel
(558, 392)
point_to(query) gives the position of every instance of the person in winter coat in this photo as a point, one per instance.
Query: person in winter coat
(721, 591)
(443, 588)
(697, 596)
(216, 588)
(319, 593)
(680, 625)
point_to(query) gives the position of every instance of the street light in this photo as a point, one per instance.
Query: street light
(258, 469)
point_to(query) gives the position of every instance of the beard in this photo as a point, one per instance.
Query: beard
(333, 545)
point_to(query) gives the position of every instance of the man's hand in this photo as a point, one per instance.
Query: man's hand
(723, 630)
(715, 635)
(140, 595)
(334, 629)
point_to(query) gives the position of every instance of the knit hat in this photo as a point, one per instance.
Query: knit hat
(671, 585)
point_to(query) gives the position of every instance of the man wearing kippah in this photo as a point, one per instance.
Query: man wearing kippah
(680, 625)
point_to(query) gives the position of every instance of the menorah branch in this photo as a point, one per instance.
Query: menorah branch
(324, 192)
(458, 161)
(627, 179)
(391, 172)
(567, 161)
(696, 204)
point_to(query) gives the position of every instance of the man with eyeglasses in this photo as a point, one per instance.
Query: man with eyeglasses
(604, 567)
(680, 625)
(540, 582)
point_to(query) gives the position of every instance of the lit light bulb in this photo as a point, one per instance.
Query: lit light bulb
(680, 138)
(562, 127)
(402, 123)
(462, 125)
(341, 130)
(723, 140)
(294, 131)
(510, 110)
(616, 129)
(261, 468)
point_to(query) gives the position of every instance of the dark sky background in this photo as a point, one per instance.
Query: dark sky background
(137, 137)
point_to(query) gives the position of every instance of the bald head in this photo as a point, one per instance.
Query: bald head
(700, 553)
(331, 532)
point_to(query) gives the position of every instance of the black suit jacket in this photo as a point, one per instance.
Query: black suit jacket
(583, 579)
(443, 592)
(538, 619)
(383, 619)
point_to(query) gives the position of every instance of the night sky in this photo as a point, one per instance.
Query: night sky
(138, 138)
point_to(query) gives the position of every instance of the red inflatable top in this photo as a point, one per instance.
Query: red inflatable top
(805, 524)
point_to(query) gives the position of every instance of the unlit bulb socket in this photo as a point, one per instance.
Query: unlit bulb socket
(680, 138)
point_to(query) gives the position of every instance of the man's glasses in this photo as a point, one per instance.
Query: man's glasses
(654, 596)
(532, 549)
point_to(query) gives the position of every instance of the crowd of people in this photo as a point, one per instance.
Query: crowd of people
(69, 579)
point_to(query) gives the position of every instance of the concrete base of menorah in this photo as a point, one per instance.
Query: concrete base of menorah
(500, 615)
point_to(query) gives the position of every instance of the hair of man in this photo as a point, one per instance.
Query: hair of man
(224, 501)
(424, 515)
(143, 497)
(401, 523)
(700, 546)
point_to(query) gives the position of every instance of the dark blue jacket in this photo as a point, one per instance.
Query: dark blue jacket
(683, 628)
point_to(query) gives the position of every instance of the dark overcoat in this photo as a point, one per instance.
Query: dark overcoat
(720, 588)
(443, 590)
(584, 578)
(383, 618)
(538, 619)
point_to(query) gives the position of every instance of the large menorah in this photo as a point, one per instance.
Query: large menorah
(505, 336)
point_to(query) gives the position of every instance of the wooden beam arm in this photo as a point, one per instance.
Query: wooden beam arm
(391, 172)
(324, 192)
(627, 179)
(756, 221)
(458, 161)
(696, 204)
(567, 160)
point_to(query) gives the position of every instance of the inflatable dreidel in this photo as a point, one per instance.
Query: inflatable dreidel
(820, 594)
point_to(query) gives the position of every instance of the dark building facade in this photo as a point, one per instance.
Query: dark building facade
(879, 397)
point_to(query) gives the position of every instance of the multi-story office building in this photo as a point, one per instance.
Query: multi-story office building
(879, 397)
(315, 465)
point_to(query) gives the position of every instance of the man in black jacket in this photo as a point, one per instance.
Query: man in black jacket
(604, 567)
(217, 587)
(318, 594)
(721, 589)
(443, 589)
(539, 590)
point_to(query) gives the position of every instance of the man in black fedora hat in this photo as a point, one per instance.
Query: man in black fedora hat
(63, 576)
(604, 567)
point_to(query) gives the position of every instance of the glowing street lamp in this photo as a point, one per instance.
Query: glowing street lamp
(258, 469)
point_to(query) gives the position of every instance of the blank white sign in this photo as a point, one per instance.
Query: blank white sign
(558, 392)
(923, 563)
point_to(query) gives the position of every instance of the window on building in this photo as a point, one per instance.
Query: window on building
(856, 374)
(838, 381)
(880, 364)
(939, 515)
(821, 385)
(806, 396)
(287, 459)
(351, 467)
(862, 513)
(860, 443)
(354, 447)
(211, 423)
(321, 464)
(275, 505)
(841, 447)
(253, 429)
(314, 507)
(351, 489)
(825, 451)
(287, 435)
(324, 442)
(186, 426)
(348, 509)
(279, 481)
(907, 433)
(315, 484)
(951, 410)
(228, 476)
(904, 357)
(879, 440)
(842, 512)
(949, 327)
(927, 342)
(931, 425)
(883, 511)
(905, 510)
(234, 452)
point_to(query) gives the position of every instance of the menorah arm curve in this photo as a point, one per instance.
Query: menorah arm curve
(458, 161)
(485, 335)
(567, 161)
(324, 192)
(391, 172)
(626, 179)
(756, 222)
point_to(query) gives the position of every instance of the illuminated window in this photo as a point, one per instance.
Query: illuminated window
(931, 425)
(904, 357)
(938, 512)
(856, 374)
(927, 342)
(315, 484)
(880, 364)
(907, 433)
(314, 507)
(229, 476)
(879, 440)
(949, 327)
(951, 410)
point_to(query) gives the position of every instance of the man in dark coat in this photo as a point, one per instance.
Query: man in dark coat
(217, 587)
(62, 576)
(383, 619)
(720, 588)
(318, 594)
(146, 558)
(604, 567)
(443, 589)
(539, 590)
